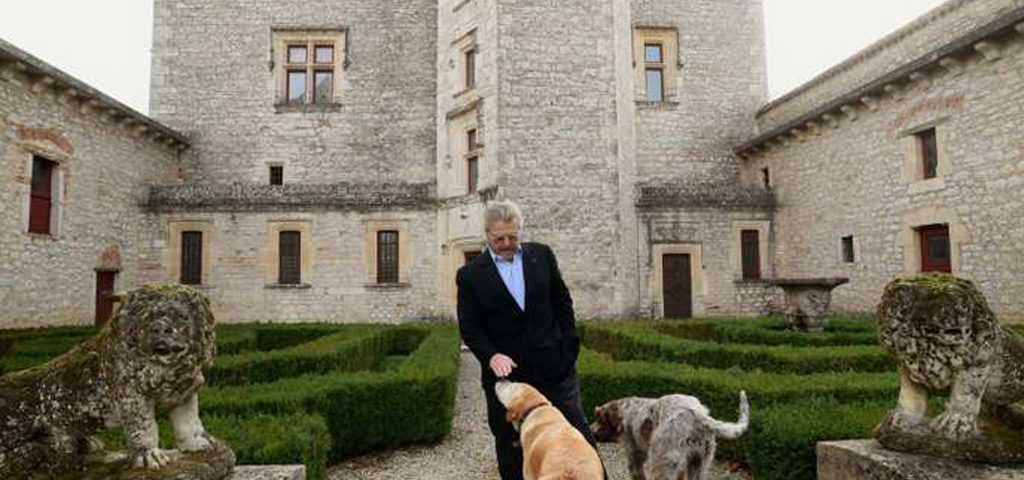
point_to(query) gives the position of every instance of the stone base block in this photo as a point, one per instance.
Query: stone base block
(269, 472)
(867, 460)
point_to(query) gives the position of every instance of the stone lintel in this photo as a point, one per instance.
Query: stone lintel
(868, 460)
(268, 472)
(988, 49)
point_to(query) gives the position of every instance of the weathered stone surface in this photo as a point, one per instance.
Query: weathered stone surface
(867, 460)
(213, 464)
(149, 359)
(269, 472)
(807, 300)
(259, 197)
(944, 337)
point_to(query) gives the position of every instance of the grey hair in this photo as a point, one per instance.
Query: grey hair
(502, 211)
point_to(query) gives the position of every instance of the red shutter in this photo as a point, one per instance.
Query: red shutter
(41, 198)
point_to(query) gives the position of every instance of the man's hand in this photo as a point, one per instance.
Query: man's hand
(502, 365)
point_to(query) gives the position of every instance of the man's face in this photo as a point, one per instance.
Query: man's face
(503, 238)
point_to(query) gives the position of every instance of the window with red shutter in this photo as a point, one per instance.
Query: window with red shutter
(41, 196)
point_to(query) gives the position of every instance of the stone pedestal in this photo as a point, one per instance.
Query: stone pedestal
(269, 472)
(867, 460)
(807, 300)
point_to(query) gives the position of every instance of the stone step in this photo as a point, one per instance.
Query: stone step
(268, 472)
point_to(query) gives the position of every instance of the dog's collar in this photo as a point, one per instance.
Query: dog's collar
(530, 410)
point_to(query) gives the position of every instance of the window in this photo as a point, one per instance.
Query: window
(191, 258)
(750, 250)
(929, 152)
(290, 258)
(766, 177)
(472, 161)
(470, 66)
(387, 256)
(935, 251)
(308, 65)
(472, 174)
(848, 249)
(655, 72)
(277, 175)
(41, 197)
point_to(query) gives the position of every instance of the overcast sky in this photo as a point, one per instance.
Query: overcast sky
(106, 42)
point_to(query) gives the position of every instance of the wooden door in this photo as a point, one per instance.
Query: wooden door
(677, 286)
(104, 297)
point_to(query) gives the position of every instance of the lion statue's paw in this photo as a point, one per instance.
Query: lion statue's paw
(151, 459)
(955, 426)
(195, 443)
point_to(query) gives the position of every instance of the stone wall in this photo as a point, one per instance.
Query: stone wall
(338, 281)
(863, 178)
(214, 79)
(107, 155)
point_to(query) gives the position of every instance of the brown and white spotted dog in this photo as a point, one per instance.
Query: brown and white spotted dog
(667, 438)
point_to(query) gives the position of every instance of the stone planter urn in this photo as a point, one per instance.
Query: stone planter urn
(807, 300)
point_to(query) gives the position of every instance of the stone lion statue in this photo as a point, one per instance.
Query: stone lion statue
(149, 359)
(946, 339)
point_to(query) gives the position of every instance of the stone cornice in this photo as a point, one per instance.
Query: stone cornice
(40, 77)
(261, 197)
(699, 195)
(892, 84)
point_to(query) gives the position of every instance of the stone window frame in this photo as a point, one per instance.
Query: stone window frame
(460, 152)
(271, 257)
(374, 225)
(24, 152)
(174, 231)
(698, 284)
(763, 228)
(909, 242)
(668, 38)
(464, 47)
(281, 38)
(913, 159)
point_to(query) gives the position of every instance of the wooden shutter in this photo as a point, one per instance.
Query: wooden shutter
(191, 258)
(935, 249)
(41, 197)
(290, 262)
(387, 256)
(751, 251)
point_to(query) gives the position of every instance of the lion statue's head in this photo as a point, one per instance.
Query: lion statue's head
(936, 325)
(161, 339)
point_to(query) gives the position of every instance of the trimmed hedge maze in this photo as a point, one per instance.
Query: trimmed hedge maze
(803, 388)
(306, 393)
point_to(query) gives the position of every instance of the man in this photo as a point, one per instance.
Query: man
(516, 316)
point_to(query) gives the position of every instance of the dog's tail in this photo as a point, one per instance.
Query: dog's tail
(734, 430)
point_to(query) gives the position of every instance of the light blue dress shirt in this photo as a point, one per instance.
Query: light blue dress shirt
(512, 274)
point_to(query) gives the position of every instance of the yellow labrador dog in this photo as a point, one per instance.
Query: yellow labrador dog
(552, 448)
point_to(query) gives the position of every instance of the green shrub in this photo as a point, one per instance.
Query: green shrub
(358, 348)
(602, 380)
(234, 339)
(364, 410)
(277, 336)
(46, 347)
(643, 342)
(760, 333)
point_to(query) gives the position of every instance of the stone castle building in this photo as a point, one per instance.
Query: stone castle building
(330, 160)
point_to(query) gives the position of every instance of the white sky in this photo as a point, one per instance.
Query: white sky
(106, 43)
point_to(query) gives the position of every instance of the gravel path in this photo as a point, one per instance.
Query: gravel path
(468, 452)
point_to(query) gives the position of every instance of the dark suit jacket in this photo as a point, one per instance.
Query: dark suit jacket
(542, 340)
